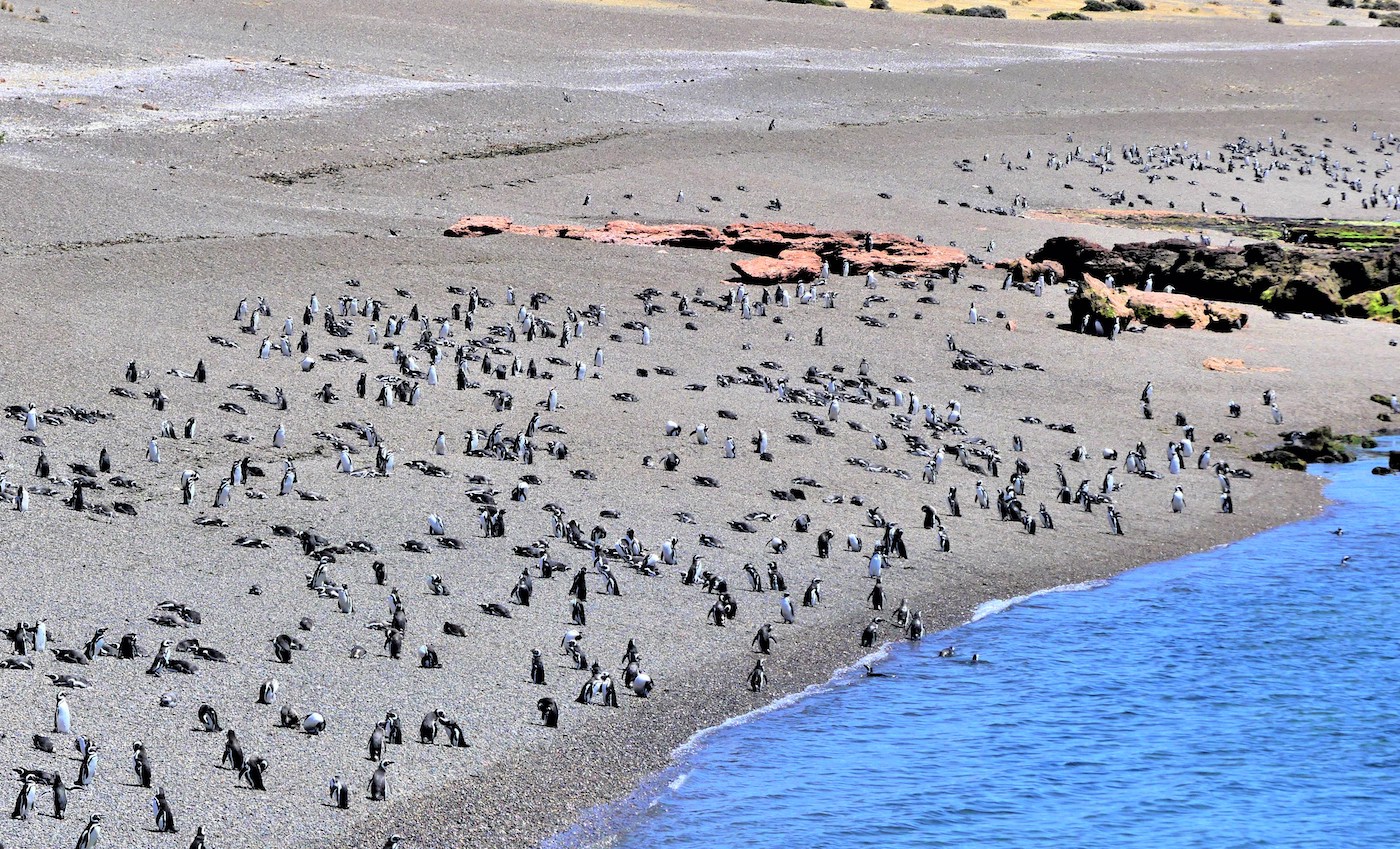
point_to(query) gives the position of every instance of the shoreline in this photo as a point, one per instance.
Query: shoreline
(598, 825)
(574, 825)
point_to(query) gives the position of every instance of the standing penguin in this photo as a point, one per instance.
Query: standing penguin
(916, 625)
(165, 818)
(427, 730)
(62, 717)
(140, 764)
(24, 801)
(536, 667)
(378, 783)
(877, 596)
(91, 835)
(758, 677)
(87, 768)
(60, 797)
(339, 793)
(233, 752)
(871, 635)
(785, 606)
(1178, 500)
(252, 772)
(764, 639)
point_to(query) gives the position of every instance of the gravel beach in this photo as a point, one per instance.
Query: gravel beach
(164, 162)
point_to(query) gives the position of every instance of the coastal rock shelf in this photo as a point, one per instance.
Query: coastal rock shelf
(785, 253)
(1285, 278)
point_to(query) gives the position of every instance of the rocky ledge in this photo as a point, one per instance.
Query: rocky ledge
(783, 253)
(1096, 307)
(1282, 278)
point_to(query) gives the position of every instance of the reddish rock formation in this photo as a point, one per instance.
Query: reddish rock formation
(1103, 306)
(1023, 270)
(791, 252)
(790, 266)
(479, 225)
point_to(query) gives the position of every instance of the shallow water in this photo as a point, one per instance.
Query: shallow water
(1240, 697)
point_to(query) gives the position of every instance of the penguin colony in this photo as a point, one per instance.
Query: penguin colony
(502, 492)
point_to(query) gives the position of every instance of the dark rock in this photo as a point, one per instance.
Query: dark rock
(1287, 278)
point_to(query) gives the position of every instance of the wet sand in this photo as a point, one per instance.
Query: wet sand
(277, 164)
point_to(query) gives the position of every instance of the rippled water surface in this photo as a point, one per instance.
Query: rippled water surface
(1242, 697)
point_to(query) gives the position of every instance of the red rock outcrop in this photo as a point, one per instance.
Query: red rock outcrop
(790, 266)
(791, 252)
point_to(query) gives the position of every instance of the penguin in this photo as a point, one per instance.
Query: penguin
(427, 730)
(252, 772)
(140, 764)
(642, 685)
(549, 712)
(87, 767)
(267, 691)
(91, 835)
(209, 718)
(376, 742)
(233, 751)
(536, 667)
(24, 801)
(339, 793)
(812, 596)
(313, 723)
(62, 716)
(785, 606)
(198, 841)
(165, 818)
(877, 596)
(871, 635)
(916, 625)
(764, 640)
(1178, 500)
(758, 677)
(60, 797)
(378, 782)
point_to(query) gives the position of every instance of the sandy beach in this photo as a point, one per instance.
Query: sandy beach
(163, 163)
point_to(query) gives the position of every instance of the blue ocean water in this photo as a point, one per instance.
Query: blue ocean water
(1241, 697)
